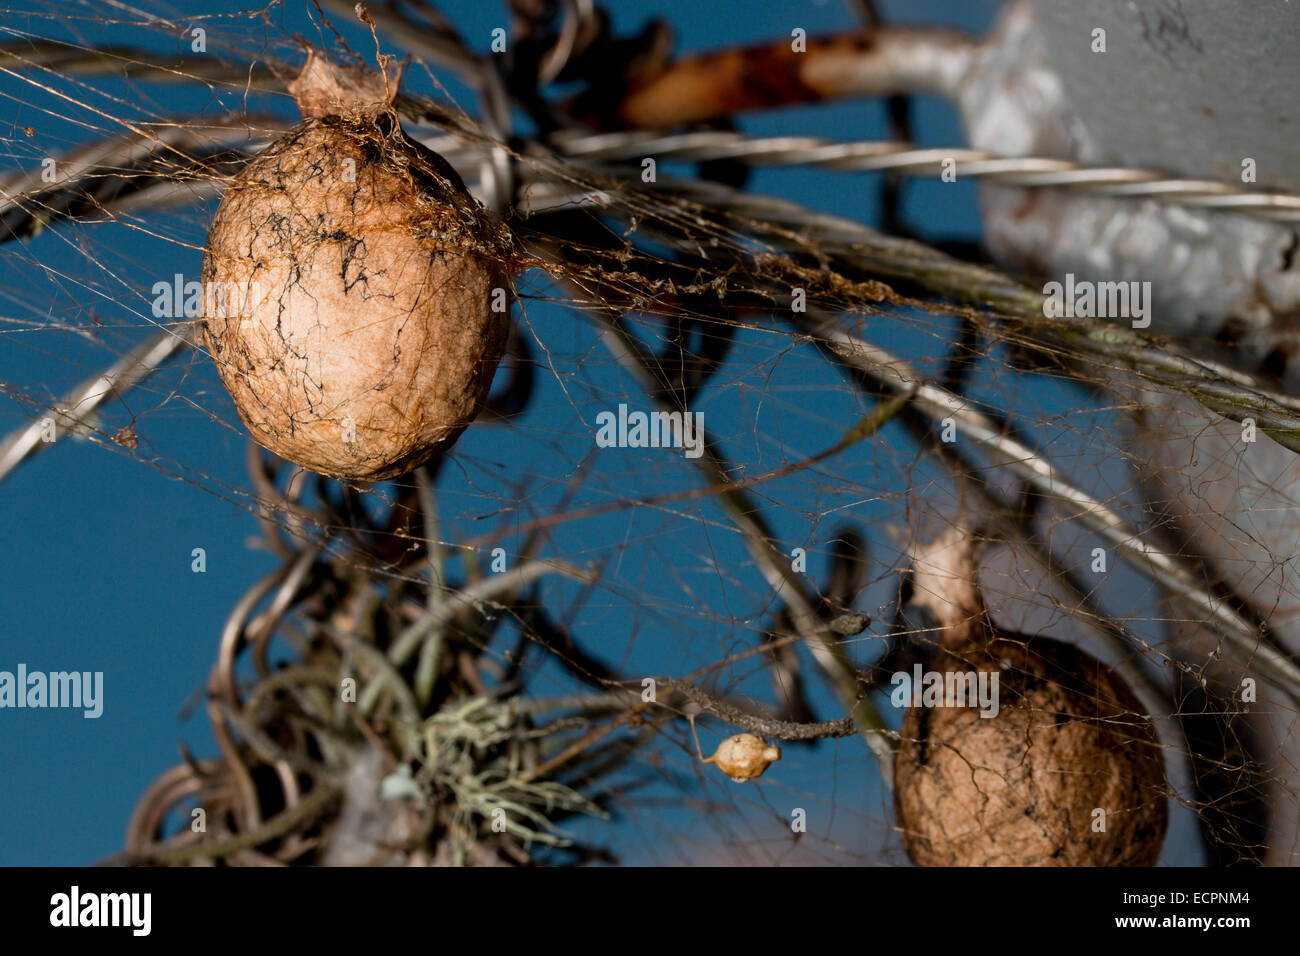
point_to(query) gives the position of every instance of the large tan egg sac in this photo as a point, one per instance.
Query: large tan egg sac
(1024, 788)
(1068, 772)
(349, 285)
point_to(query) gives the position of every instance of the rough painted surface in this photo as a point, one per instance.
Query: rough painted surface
(1228, 285)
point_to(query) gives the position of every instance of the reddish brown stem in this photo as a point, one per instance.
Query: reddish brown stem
(716, 84)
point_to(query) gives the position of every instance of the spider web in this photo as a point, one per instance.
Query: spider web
(629, 563)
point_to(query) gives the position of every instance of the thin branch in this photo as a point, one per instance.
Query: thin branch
(755, 723)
